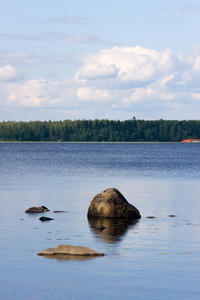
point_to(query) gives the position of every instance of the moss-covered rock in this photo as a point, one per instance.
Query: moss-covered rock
(37, 209)
(112, 204)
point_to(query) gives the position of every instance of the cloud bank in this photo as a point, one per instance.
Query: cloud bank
(121, 79)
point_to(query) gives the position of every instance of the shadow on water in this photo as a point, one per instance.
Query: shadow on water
(115, 229)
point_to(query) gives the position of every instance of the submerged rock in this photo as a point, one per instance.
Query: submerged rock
(43, 219)
(59, 211)
(37, 209)
(112, 204)
(99, 227)
(70, 250)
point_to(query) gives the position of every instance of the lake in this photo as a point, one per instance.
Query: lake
(153, 258)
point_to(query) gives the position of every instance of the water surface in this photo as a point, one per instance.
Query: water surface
(153, 258)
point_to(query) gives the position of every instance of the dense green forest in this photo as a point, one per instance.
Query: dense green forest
(100, 130)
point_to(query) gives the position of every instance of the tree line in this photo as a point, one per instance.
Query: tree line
(100, 130)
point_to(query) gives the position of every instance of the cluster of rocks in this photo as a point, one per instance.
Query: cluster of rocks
(109, 204)
(42, 209)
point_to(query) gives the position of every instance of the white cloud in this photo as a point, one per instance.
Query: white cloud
(8, 73)
(96, 71)
(125, 79)
(151, 73)
(38, 93)
(149, 94)
(88, 94)
(130, 66)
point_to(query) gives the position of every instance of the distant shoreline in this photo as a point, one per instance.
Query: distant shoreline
(49, 142)
(100, 131)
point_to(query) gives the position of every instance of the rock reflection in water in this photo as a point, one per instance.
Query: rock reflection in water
(64, 257)
(114, 231)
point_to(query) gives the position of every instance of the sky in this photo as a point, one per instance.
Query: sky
(89, 59)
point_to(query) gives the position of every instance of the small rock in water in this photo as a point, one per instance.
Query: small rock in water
(59, 211)
(70, 250)
(38, 209)
(172, 216)
(151, 217)
(45, 219)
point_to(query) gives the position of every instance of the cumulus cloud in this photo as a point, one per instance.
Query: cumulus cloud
(118, 79)
(39, 93)
(8, 73)
(88, 94)
(130, 66)
(143, 74)
(97, 71)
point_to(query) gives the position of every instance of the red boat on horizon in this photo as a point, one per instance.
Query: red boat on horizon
(191, 141)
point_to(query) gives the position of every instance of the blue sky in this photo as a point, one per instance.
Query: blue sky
(99, 59)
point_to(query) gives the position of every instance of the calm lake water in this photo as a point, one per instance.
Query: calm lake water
(155, 258)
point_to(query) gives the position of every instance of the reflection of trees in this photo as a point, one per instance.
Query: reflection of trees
(115, 228)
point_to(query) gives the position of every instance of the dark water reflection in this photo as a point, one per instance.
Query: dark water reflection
(64, 257)
(115, 229)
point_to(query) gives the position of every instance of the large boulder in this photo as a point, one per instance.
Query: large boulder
(112, 204)
(70, 250)
(37, 209)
